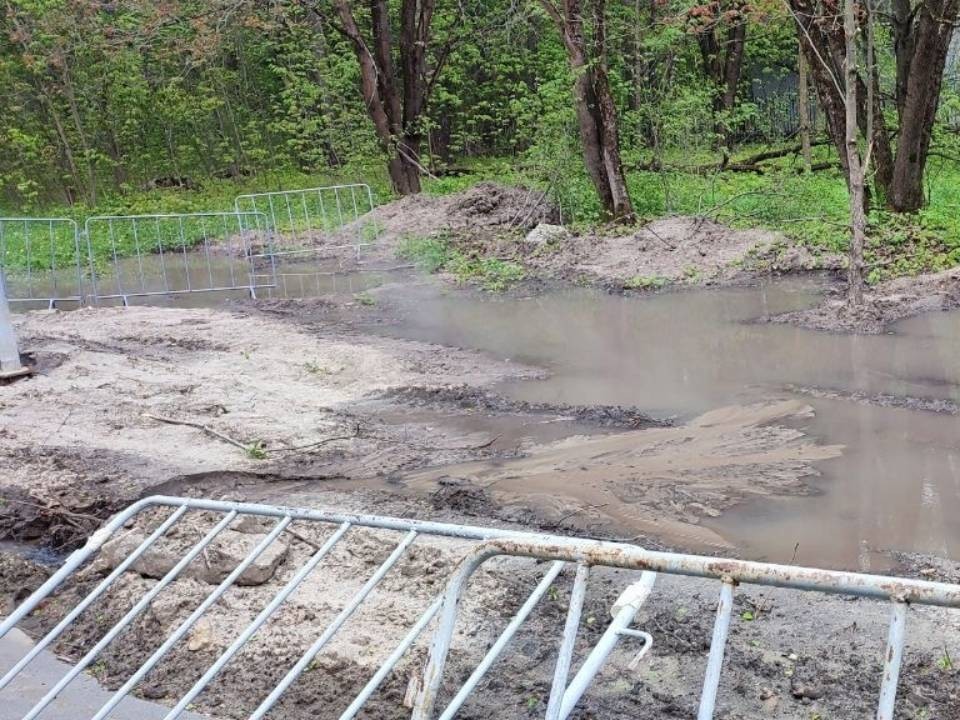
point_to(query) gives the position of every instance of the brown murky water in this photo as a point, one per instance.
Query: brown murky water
(894, 486)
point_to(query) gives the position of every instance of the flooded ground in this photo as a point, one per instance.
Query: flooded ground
(894, 487)
(890, 401)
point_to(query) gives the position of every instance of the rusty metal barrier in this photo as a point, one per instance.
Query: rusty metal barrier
(442, 613)
(41, 260)
(177, 254)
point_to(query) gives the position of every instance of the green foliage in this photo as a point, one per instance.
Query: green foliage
(430, 254)
(646, 282)
(441, 253)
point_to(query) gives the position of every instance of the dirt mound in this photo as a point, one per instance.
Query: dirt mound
(883, 305)
(487, 206)
(687, 250)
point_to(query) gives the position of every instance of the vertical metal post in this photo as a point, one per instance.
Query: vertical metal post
(10, 365)
(721, 628)
(624, 610)
(565, 654)
(893, 658)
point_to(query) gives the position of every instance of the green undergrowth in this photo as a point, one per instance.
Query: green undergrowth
(439, 253)
(809, 208)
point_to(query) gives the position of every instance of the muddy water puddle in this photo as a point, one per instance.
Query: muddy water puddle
(886, 477)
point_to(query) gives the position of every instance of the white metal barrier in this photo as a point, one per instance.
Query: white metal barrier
(583, 555)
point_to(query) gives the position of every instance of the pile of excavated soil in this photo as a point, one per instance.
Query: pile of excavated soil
(884, 304)
(686, 250)
(484, 207)
(493, 220)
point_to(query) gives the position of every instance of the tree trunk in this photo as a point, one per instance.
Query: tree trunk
(803, 109)
(858, 220)
(921, 41)
(595, 107)
(395, 95)
(918, 99)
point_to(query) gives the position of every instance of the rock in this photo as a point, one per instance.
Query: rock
(229, 549)
(801, 691)
(547, 234)
(201, 637)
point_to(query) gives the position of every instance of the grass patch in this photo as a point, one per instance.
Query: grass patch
(646, 282)
(439, 253)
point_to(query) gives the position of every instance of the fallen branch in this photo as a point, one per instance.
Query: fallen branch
(199, 426)
(318, 443)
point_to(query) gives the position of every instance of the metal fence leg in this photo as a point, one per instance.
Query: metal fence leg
(893, 658)
(624, 611)
(711, 683)
(565, 654)
(10, 365)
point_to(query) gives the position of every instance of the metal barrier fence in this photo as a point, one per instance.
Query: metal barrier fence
(487, 543)
(322, 216)
(41, 259)
(176, 254)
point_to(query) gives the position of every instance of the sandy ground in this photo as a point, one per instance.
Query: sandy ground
(79, 435)
(492, 220)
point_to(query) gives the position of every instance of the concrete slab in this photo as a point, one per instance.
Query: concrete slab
(81, 699)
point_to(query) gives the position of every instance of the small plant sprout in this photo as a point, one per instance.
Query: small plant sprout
(257, 450)
(945, 662)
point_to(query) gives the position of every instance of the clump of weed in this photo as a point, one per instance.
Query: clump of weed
(646, 282)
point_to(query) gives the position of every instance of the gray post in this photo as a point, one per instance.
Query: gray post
(9, 355)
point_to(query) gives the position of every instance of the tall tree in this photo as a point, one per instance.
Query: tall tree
(855, 164)
(721, 31)
(596, 109)
(922, 30)
(395, 85)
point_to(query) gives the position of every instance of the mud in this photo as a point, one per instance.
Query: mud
(883, 305)
(657, 482)
(465, 397)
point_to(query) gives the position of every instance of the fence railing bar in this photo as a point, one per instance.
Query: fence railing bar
(129, 617)
(336, 194)
(206, 249)
(565, 654)
(257, 622)
(721, 628)
(624, 611)
(53, 256)
(183, 244)
(505, 637)
(136, 243)
(163, 264)
(29, 245)
(332, 628)
(892, 661)
(392, 660)
(185, 626)
(93, 595)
